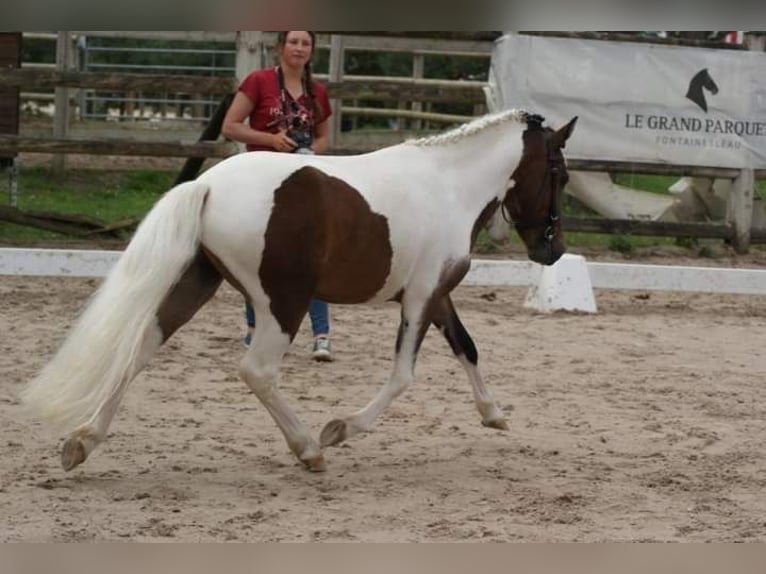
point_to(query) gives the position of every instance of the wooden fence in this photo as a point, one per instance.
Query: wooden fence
(252, 53)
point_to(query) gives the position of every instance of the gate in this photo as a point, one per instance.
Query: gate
(95, 104)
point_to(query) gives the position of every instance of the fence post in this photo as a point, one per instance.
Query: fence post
(61, 110)
(250, 56)
(335, 75)
(81, 65)
(741, 209)
(755, 42)
(743, 187)
(417, 74)
(250, 53)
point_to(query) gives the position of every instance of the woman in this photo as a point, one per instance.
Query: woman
(287, 111)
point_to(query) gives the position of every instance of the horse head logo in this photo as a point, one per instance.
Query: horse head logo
(700, 82)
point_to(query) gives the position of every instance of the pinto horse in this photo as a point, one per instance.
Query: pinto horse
(395, 224)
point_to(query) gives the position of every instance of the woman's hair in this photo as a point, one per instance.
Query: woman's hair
(282, 37)
(281, 40)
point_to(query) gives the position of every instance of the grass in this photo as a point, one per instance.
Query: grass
(661, 183)
(107, 196)
(654, 183)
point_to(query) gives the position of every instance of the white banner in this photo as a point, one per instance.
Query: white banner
(639, 102)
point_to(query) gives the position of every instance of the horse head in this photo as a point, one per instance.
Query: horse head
(700, 81)
(533, 199)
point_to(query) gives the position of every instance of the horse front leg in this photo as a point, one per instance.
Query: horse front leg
(260, 370)
(447, 321)
(412, 329)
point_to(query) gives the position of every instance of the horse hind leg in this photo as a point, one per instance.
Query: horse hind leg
(448, 322)
(84, 439)
(196, 286)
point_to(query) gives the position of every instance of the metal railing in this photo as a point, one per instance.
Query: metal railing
(132, 106)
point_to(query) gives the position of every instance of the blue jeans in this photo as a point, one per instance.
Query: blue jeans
(319, 313)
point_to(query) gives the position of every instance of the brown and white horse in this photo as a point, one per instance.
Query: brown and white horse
(395, 224)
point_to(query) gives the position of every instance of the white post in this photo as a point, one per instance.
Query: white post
(743, 187)
(61, 113)
(755, 42)
(250, 53)
(564, 285)
(336, 75)
(741, 208)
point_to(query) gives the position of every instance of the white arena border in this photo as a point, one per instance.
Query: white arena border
(484, 272)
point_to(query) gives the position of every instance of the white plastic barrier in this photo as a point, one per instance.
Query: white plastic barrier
(628, 276)
(88, 263)
(56, 262)
(491, 272)
(564, 285)
(677, 278)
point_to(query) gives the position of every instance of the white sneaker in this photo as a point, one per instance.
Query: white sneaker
(322, 350)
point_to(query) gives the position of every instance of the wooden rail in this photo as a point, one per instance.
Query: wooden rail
(646, 227)
(127, 147)
(405, 89)
(657, 169)
(396, 113)
(658, 228)
(351, 87)
(625, 37)
(115, 146)
(49, 79)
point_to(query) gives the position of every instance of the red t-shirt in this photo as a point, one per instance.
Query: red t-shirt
(270, 114)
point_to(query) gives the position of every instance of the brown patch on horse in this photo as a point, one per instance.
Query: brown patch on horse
(322, 240)
(450, 277)
(197, 285)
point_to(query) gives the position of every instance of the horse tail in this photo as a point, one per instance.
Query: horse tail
(103, 349)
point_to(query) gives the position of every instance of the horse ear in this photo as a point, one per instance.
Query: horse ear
(561, 136)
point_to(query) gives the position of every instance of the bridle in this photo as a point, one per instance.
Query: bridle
(551, 177)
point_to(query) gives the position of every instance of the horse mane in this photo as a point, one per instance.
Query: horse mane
(473, 127)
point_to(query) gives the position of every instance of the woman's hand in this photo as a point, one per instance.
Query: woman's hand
(282, 142)
(321, 137)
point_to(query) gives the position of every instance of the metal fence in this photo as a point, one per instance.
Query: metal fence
(110, 53)
(141, 105)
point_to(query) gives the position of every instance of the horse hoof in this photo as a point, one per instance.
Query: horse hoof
(315, 464)
(333, 433)
(72, 453)
(499, 424)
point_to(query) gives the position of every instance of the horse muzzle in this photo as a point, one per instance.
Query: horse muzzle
(546, 252)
